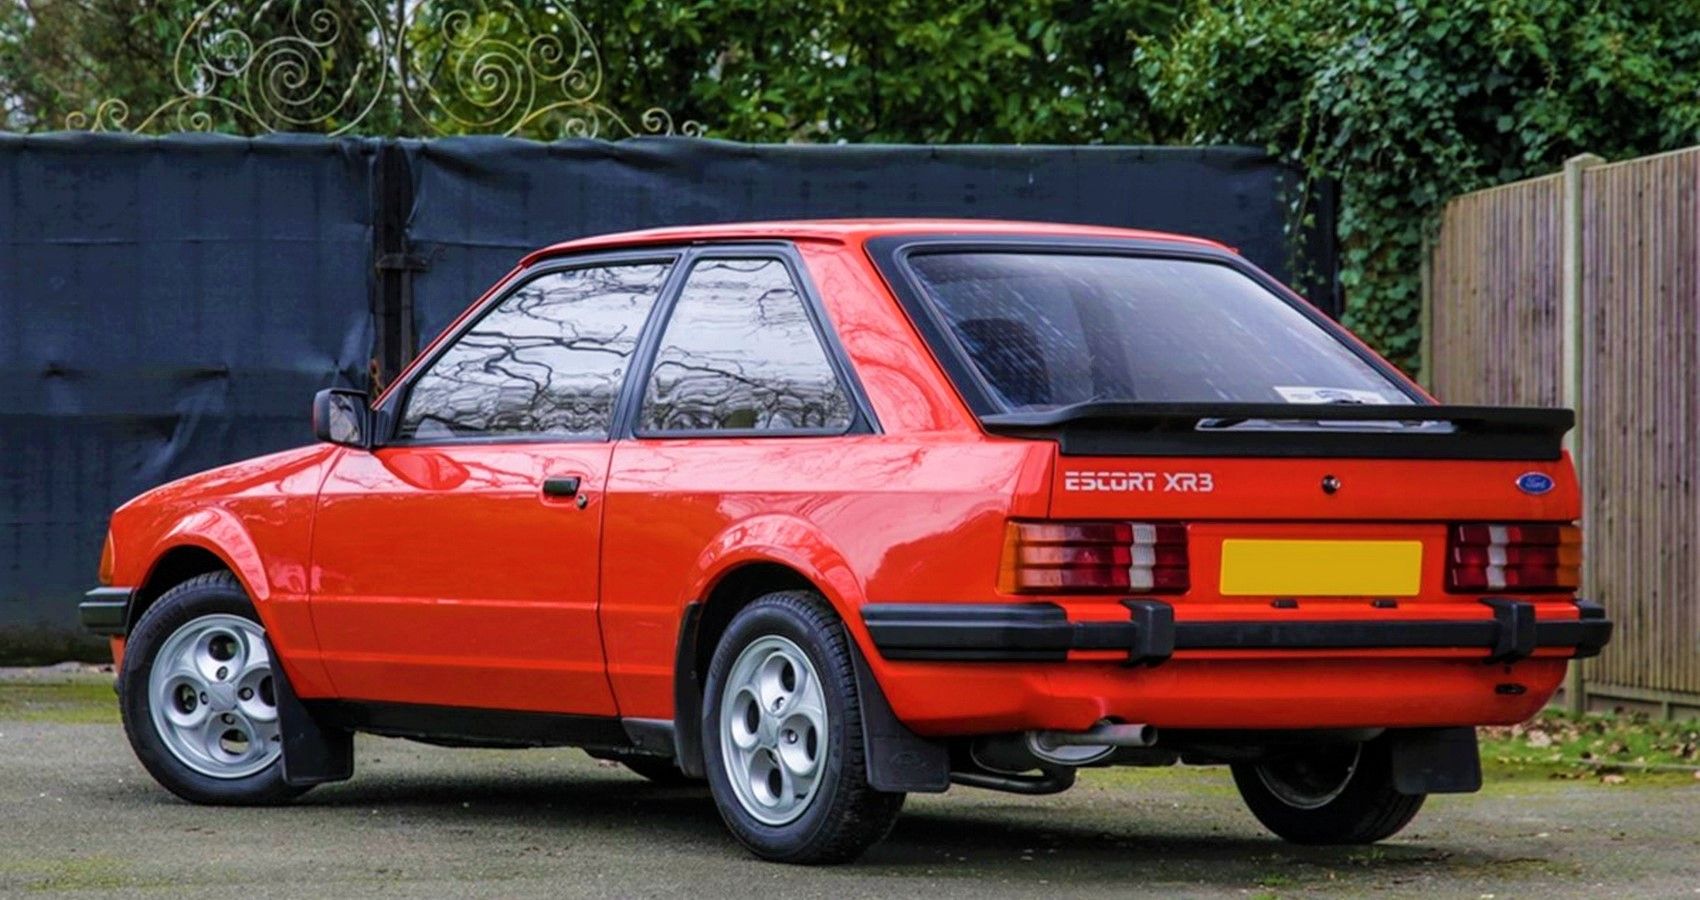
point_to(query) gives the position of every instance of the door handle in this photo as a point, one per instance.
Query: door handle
(560, 486)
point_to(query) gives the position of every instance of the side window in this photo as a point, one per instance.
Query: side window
(547, 360)
(740, 353)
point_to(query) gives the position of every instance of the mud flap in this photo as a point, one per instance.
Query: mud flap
(1435, 761)
(899, 760)
(313, 752)
(687, 697)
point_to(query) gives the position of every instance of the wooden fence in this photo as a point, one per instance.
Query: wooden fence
(1583, 289)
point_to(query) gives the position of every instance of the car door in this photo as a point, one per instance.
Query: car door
(745, 418)
(457, 563)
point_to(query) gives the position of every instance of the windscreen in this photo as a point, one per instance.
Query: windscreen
(1047, 329)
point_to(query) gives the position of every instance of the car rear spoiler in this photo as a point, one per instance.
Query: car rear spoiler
(1294, 430)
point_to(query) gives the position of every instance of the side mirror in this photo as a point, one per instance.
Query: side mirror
(342, 416)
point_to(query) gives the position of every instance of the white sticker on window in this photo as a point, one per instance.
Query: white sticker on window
(1305, 394)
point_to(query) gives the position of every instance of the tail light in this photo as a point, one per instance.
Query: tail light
(1094, 557)
(1531, 558)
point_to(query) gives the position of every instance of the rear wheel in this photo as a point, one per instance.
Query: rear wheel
(1336, 794)
(198, 698)
(782, 735)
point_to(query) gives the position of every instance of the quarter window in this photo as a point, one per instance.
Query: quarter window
(740, 353)
(548, 360)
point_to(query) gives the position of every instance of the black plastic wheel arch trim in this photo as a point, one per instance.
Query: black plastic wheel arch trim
(105, 610)
(687, 696)
(1042, 632)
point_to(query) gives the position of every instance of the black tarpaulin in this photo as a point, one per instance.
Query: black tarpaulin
(166, 305)
(171, 304)
(481, 203)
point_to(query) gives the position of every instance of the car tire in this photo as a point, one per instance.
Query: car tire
(197, 662)
(781, 704)
(1339, 794)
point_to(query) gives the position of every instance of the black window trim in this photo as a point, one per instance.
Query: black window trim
(891, 256)
(388, 415)
(862, 419)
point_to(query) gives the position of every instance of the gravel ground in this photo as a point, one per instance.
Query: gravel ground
(78, 816)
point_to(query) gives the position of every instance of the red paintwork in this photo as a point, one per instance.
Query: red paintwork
(445, 574)
(441, 575)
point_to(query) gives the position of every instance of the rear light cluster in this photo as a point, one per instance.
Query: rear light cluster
(1524, 558)
(1094, 557)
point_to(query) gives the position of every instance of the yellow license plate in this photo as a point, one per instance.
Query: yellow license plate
(1321, 568)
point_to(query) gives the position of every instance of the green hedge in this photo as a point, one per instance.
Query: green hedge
(1412, 102)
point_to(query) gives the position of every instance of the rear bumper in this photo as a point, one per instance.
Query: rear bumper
(963, 669)
(1042, 632)
(104, 610)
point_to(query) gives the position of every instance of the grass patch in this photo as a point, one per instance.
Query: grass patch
(80, 874)
(1612, 750)
(69, 702)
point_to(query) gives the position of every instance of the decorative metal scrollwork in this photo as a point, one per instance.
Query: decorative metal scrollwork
(444, 67)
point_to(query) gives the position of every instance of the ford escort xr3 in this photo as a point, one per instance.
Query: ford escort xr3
(825, 513)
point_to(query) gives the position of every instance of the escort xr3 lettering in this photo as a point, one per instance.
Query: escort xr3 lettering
(825, 513)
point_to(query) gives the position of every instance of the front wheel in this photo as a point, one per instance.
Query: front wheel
(198, 697)
(782, 735)
(1335, 794)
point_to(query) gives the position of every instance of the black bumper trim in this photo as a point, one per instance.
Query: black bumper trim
(1042, 632)
(105, 609)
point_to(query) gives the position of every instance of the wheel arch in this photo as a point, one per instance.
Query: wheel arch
(208, 541)
(897, 759)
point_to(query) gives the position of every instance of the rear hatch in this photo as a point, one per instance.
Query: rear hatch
(1182, 386)
(1336, 506)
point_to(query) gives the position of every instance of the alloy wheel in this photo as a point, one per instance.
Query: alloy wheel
(773, 730)
(213, 699)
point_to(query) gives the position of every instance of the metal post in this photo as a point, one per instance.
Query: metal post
(393, 263)
(1571, 360)
(1425, 357)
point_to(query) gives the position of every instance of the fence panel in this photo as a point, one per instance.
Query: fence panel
(1641, 378)
(1496, 331)
(1495, 292)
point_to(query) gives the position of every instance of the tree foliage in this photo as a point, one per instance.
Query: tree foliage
(55, 54)
(906, 71)
(1042, 71)
(1411, 102)
(63, 58)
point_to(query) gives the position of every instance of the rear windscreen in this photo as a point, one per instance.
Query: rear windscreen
(1048, 329)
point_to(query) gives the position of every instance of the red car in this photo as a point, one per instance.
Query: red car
(829, 512)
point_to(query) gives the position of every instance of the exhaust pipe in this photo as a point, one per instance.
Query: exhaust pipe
(1082, 748)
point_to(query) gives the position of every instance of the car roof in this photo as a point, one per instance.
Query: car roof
(853, 231)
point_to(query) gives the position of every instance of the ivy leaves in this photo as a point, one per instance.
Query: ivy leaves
(1411, 102)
